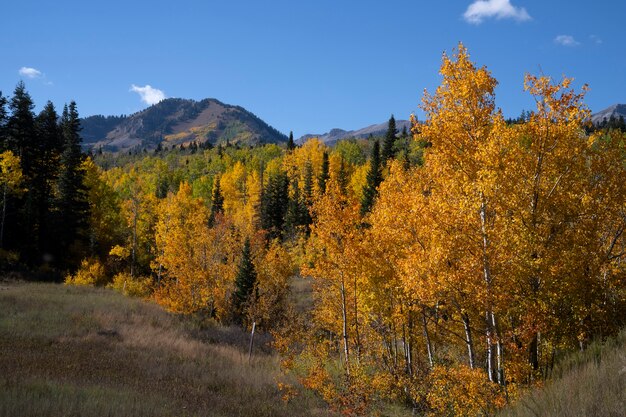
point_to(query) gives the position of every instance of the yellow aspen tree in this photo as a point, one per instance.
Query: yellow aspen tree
(10, 179)
(463, 126)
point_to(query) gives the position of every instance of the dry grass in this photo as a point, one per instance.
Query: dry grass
(68, 351)
(589, 383)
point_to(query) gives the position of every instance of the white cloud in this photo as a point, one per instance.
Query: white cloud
(566, 40)
(596, 39)
(30, 72)
(148, 94)
(480, 10)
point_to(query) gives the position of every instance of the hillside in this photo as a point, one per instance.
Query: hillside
(176, 121)
(70, 351)
(589, 383)
(335, 135)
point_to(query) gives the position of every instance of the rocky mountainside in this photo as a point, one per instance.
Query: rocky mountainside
(616, 110)
(337, 134)
(176, 121)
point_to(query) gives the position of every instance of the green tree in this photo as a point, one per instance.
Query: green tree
(290, 143)
(20, 139)
(46, 167)
(72, 203)
(324, 175)
(245, 283)
(297, 217)
(274, 203)
(217, 201)
(373, 180)
(390, 139)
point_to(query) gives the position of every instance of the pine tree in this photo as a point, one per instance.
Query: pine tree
(274, 205)
(46, 165)
(245, 283)
(72, 200)
(297, 216)
(373, 180)
(291, 144)
(20, 139)
(3, 121)
(324, 175)
(390, 139)
(217, 201)
(342, 177)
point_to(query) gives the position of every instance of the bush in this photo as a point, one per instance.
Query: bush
(130, 286)
(91, 272)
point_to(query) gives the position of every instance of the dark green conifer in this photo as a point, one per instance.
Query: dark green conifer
(390, 139)
(49, 146)
(373, 180)
(274, 204)
(290, 143)
(324, 175)
(72, 203)
(217, 201)
(245, 283)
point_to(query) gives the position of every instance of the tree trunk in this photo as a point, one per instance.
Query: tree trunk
(429, 347)
(251, 340)
(468, 339)
(344, 317)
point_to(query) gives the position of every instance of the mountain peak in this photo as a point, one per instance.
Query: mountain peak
(178, 121)
(616, 111)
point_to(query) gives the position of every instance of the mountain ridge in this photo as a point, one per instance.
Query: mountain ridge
(178, 121)
(336, 134)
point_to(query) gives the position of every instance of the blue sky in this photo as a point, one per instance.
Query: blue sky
(302, 66)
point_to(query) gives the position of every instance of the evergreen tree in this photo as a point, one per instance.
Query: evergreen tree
(342, 177)
(21, 126)
(298, 216)
(373, 180)
(3, 121)
(290, 143)
(245, 283)
(390, 139)
(72, 199)
(217, 201)
(274, 205)
(324, 175)
(20, 230)
(49, 147)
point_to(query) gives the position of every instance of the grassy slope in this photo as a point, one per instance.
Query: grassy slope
(68, 351)
(590, 383)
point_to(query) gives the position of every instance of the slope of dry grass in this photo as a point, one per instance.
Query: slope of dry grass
(68, 351)
(590, 383)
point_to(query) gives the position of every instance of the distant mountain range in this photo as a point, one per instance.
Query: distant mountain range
(616, 110)
(335, 135)
(176, 121)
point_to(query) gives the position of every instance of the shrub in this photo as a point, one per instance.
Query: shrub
(132, 286)
(91, 272)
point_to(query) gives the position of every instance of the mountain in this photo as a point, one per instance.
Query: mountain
(337, 134)
(176, 121)
(616, 111)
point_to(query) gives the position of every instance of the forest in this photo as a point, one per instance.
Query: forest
(449, 267)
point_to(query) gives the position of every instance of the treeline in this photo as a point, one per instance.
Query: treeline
(44, 199)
